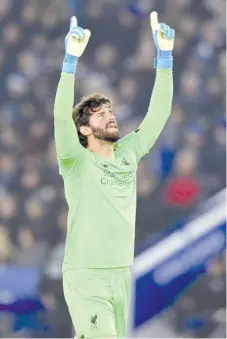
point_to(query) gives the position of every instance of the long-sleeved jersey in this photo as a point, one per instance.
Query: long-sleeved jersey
(101, 192)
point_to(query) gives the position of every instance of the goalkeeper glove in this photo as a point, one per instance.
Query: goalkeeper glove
(163, 37)
(75, 44)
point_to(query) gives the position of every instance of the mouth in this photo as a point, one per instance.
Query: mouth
(112, 126)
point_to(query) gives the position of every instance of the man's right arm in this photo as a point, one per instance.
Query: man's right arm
(67, 142)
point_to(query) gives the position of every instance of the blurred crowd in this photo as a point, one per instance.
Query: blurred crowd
(187, 164)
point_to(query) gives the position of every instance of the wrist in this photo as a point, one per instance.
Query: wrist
(164, 60)
(164, 63)
(69, 64)
(164, 54)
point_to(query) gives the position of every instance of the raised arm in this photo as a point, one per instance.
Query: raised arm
(161, 99)
(67, 142)
(65, 133)
(160, 105)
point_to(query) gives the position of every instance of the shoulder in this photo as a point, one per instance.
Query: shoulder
(126, 141)
(125, 147)
(69, 167)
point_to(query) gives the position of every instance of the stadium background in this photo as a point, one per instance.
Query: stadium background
(183, 170)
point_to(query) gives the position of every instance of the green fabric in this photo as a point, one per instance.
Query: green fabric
(101, 192)
(98, 301)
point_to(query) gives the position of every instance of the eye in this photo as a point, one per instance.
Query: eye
(100, 114)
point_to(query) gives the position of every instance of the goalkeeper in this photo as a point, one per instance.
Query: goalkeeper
(99, 173)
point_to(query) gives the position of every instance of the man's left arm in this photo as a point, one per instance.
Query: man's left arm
(160, 105)
(158, 113)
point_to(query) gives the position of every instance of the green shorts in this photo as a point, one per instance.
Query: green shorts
(98, 301)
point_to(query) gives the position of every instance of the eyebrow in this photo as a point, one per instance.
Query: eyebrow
(100, 110)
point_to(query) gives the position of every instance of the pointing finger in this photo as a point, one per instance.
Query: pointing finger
(154, 21)
(73, 22)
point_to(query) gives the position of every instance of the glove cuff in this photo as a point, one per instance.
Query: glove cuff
(164, 63)
(69, 64)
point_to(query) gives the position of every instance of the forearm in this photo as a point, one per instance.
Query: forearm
(159, 108)
(65, 132)
(65, 91)
(162, 95)
(64, 97)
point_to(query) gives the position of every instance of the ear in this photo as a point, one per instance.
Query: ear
(85, 130)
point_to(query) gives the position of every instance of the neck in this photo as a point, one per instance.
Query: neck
(102, 148)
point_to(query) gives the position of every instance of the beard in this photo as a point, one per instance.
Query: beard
(105, 134)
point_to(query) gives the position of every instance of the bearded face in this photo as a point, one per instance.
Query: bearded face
(110, 133)
(103, 125)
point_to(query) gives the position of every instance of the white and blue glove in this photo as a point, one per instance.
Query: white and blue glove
(163, 37)
(75, 44)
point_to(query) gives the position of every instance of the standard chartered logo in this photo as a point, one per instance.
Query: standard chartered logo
(121, 179)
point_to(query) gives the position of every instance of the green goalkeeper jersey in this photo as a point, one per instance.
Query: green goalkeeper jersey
(101, 192)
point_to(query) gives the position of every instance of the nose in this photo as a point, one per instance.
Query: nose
(113, 120)
(112, 116)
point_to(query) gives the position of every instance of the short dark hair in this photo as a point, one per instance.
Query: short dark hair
(82, 112)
